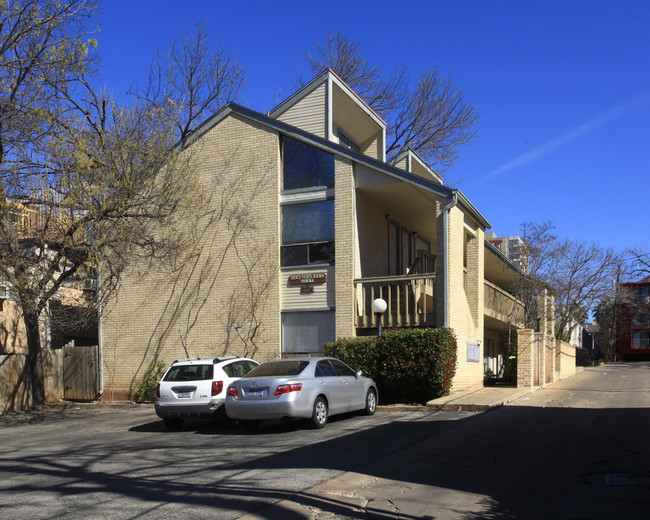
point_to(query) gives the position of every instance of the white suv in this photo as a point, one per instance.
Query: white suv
(197, 387)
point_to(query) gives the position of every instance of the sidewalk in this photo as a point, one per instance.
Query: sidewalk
(479, 399)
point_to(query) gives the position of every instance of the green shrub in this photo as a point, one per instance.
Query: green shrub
(411, 366)
(147, 389)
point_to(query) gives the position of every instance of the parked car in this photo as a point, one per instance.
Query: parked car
(197, 387)
(310, 388)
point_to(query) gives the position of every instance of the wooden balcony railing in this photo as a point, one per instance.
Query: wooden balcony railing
(410, 299)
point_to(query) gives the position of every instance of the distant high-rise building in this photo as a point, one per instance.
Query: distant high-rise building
(512, 248)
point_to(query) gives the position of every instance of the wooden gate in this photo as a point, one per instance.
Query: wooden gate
(81, 373)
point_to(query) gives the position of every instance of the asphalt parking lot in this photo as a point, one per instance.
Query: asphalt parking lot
(121, 462)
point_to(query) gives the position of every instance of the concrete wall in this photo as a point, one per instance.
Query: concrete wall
(565, 359)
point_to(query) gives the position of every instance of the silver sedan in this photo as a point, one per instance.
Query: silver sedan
(310, 388)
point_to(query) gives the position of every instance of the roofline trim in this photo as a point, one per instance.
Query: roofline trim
(335, 148)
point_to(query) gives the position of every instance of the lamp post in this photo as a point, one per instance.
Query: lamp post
(379, 307)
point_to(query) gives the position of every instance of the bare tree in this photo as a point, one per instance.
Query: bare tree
(579, 274)
(433, 118)
(44, 48)
(189, 84)
(84, 181)
(638, 261)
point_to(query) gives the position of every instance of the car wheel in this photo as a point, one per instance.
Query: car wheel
(249, 425)
(371, 402)
(172, 423)
(319, 415)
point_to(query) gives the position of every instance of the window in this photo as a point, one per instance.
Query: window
(642, 293)
(304, 166)
(641, 339)
(342, 369)
(306, 332)
(641, 317)
(324, 369)
(289, 367)
(307, 225)
(238, 368)
(189, 373)
(308, 233)
(346, 141)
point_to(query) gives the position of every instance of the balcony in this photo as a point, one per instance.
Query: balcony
(503, 306)
(410, 299)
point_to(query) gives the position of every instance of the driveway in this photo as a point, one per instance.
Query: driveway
(121, 462)
(577, 449)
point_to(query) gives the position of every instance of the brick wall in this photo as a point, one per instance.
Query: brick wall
(199, 308)
(345, 240)
(466, 293)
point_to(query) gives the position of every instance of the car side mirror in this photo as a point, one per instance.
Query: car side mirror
(359, 373)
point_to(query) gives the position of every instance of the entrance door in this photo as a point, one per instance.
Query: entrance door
(400, 249)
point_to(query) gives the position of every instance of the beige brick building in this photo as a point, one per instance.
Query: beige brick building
(309, 225)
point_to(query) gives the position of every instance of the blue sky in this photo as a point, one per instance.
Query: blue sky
(562, 89)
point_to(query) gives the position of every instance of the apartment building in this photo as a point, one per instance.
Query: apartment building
(633, 321)
(334, 226)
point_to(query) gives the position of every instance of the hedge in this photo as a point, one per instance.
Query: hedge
(409, 366)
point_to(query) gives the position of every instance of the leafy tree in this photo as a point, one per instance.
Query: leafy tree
(432, 118)
(605, 316)
(84, 180)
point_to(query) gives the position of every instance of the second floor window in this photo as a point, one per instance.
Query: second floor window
(308, 233)
(304, 166)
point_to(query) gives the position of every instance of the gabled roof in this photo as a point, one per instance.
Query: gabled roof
(334, 148)
(323, 77)
(410, 156)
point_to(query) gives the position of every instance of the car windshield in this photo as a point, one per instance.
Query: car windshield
(289, 367)
(189, 373)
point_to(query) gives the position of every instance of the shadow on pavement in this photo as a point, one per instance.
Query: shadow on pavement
(515, 462)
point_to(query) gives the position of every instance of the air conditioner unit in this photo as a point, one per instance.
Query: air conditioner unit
(90, 284)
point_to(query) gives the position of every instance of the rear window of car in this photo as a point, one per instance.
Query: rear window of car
(189, 373)
(279, 368)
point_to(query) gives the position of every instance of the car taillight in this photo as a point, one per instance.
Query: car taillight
(232, 391)
(285, 389)
(217, 387)
(158, 390)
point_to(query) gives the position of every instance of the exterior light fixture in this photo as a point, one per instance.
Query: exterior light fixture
(379, 307)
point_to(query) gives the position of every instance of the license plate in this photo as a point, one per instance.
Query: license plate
(256, 393)
(184, 395)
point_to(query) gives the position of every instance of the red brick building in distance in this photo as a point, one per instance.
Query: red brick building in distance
(633, 322)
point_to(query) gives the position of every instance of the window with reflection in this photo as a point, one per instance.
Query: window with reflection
(304, 166)
(308, 233)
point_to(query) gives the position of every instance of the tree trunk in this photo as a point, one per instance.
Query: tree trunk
(35, 357)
